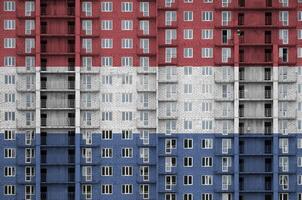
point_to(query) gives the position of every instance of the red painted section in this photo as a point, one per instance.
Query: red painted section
(57, 16)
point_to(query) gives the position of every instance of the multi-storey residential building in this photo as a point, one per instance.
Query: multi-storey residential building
(151, 99)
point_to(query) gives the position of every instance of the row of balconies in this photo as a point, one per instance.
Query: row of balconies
(255, 5)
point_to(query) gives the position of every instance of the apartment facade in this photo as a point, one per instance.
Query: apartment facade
(151, 99)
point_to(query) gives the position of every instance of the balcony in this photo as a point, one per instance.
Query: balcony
(67, 122)
(70, 85)
(59, 104)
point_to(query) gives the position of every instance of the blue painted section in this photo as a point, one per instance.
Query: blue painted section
(37, 165)
(78, 166)
(254, 172)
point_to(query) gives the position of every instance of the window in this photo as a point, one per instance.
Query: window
(299, 16)
(9, 43)
(106, 189)
(9, 61)
(170, 16)
(226, 182)
(9, 153)
(29, 192)
(206, 125)
(87, 173)
(226, 163)
(226, 145)
(106, 25)
(144, 8)
(9, 79)
(206, 180)
(106, 43)
(9, 116)
(283, 35)
(188, 143)
(106, 170)
(188, 125)
(106, 98)
(106, 134)
(188, 180)
(207, 52)
(87, 45)
(208, 196)
(188, 162)
(188, 88)
(299, 143)
(299, 34)
(207, 16)
(188, 52)
(87, 63)
(170, 144)
(170, 182)
(299, 52)
(9, 135)
(206, 161)
(126, 61)
(206, 106)
(284, 181)
(29, 26)
(206, 71)
(127, 43)
(127, 135)
(188, 70)
(127, 6)
(29, 155)
(29, 8)
(9, 171)
(127, 152)
(106, 116)
(9, 6)
(106, 61)
(207, 34)
(87, 26)
(87, 8)
(126, 79)
(127, 189)
(106, 6)
(188, 196)
(9, 190)
(283, 145)
(106, 152)
(225, 18)
(144, 26)
(144, 172)
(87, 191)
(127, 25)
(9, 24)
(170, 162)
(127, 171)
(126, 116)
(283, 17)
(225, 54)
(188, 15)
(207, 143)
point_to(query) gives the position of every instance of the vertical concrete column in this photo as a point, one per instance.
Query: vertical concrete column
(275, 122)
